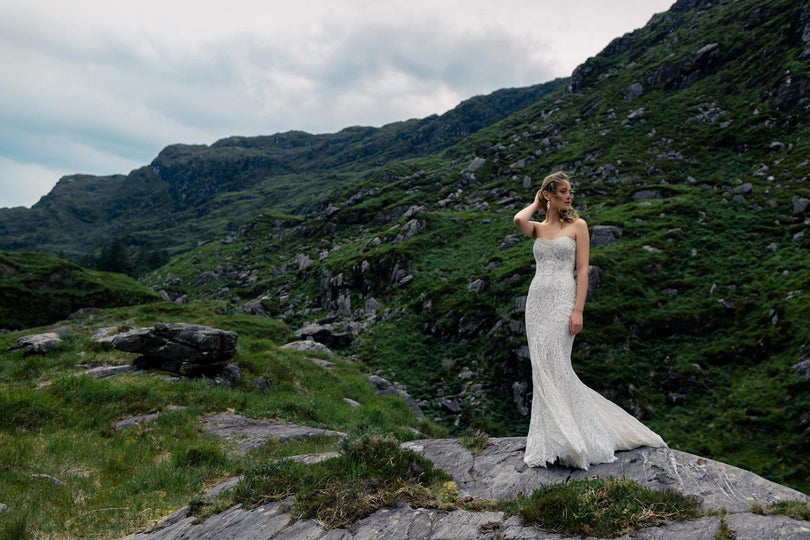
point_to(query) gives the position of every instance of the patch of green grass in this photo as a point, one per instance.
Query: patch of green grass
(601, 507)
(371, 472)
(475, 441)
(724, 532)
(792, 509)
(38, 289)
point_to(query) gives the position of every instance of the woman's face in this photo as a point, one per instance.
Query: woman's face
(562, 199)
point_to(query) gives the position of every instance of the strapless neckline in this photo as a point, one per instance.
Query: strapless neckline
(554, 239)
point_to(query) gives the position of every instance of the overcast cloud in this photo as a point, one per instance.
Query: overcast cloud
(101, 86)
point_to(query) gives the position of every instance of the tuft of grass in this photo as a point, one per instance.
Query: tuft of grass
(370, 472)
(601, 507)
(14, 526)
(793, 509)
(724, 532)
(475, 441)
(198, 454)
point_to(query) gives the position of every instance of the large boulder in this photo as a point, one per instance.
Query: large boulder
(37, 343)
(603, 235)
(328, 334)
(384, 387)
(188, 349)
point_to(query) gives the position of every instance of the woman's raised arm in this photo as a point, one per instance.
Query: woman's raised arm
(523, 218)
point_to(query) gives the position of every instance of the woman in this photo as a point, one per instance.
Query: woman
(570, 424)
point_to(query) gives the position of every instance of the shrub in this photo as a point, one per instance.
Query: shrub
(370, 472)
(602, 507)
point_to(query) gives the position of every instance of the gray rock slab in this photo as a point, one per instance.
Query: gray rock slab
(103, 372)
(37, 343)
(104, 335)
(354, 404)
(48, 478)
(749, 526)
(464, 524)
(235, 523)
(405, 522)
(326, 364)
(222, 487)
(144, 418)
(307, 345)
(313, 458)
(251, 433)
(498, 472)
(181, 516)
(308, 530)
(136, 421)
(706, 527)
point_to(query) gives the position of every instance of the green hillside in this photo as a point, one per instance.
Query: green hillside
(689, 135)
(38, 289)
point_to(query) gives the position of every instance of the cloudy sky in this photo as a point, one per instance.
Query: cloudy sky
(101, 86)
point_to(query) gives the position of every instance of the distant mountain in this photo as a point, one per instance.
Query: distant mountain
(194, 191)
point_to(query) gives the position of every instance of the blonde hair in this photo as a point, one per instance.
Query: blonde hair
(550, 184)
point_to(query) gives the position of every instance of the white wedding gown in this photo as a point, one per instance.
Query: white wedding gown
(570, 424)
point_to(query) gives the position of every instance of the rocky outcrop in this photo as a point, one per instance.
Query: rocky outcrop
(328, 334)
(37, 343)
(498, 472)
(603, 235)
(383, 387)
(308, 345)
(187, 349)
(802, 367)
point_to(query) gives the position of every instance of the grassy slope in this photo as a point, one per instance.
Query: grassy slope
(38, 289)
(65, 429)
(713, 380)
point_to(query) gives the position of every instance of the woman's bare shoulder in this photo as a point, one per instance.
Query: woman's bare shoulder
(581, 230)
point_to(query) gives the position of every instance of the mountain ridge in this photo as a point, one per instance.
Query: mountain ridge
(83, 212)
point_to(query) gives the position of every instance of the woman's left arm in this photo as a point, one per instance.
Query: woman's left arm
(582, 258)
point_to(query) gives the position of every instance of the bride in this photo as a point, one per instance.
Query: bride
(571, 424)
